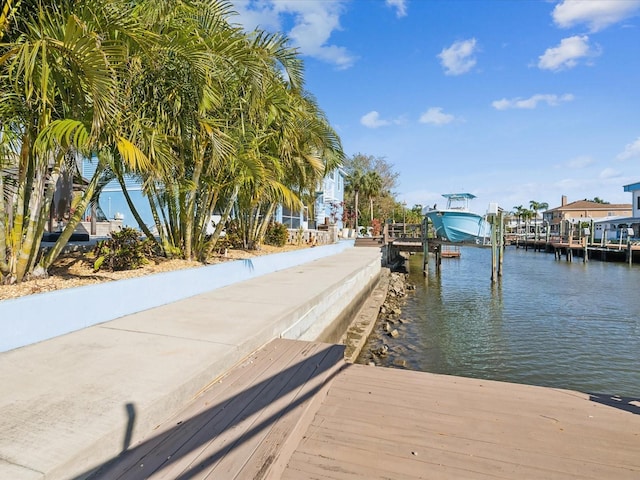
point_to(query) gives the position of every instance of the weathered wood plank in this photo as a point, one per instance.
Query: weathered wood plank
(232, 432)
(277, 414)
(169, 439)
(434, 426)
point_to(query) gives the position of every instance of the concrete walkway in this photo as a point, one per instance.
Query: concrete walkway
(65, 403)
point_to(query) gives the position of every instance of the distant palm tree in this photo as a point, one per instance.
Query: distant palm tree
(536, 206)
(372, 187)
(518, 211)
(354, 184)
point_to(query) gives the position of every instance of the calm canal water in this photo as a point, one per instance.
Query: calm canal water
(548, 322)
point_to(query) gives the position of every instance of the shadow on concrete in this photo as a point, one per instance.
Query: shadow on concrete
(190, 436)
(628, 404)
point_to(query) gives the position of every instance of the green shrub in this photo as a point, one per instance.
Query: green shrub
(277, 235)
(125, 250)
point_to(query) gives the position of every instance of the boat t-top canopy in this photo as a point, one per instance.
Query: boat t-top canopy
(458, 201)
(458, 196)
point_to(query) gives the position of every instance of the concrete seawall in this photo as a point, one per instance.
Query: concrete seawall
(50, 314)
(79, 399)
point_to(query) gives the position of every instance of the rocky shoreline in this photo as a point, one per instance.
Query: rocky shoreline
(385, 336)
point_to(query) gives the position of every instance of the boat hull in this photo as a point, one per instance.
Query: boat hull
(460, 227)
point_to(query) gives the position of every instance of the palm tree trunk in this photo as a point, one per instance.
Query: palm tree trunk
(4, 266)
(371, 205)
(356, 213)
(134, 210)
(223, 220)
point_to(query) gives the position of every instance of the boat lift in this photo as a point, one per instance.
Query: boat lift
(495, 217)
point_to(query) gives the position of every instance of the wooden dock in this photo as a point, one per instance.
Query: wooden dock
(295, 410)
(610, 251)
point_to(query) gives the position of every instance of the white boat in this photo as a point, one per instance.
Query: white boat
(456, 223)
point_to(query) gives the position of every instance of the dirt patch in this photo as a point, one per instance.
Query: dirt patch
(75, 269)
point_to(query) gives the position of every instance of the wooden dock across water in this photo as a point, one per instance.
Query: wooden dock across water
(295, 410)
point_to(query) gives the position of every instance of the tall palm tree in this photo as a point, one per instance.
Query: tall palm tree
(354, 184)
(372, 187)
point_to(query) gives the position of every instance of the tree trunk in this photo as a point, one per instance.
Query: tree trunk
(356, 213)
(134, 211)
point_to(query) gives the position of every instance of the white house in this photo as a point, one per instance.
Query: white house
(634, 188)
(614, 228)
(328, 205)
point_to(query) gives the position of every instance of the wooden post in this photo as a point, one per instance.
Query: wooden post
(425, 246)
(501, 242)
(629, 252)
(494, 249)
(586, 250)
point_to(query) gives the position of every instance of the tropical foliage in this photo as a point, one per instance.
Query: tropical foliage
(371, 179)
(207, 117)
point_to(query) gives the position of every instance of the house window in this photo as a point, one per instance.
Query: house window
(638, 207)
(290, 218)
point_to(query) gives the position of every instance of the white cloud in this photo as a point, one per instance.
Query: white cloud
(632, 150)
(435, 116)
(373, 120)
(532, 102)
(597, 14)
(399, 5)
(313, 23)
(609, 173)
(580, 162)
(458, 58)
(567, 54)
(256, 15)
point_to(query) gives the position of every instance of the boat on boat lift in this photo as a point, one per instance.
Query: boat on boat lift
(457, 223)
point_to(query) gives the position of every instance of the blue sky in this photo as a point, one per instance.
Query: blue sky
(511, 100)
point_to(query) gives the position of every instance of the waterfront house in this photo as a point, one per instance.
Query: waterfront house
(634, 188)
(622, 227)
(329, 198)
(328, 202)
(625, 227)
(569, 216)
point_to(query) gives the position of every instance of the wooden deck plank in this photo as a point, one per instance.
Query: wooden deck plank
(559, 426)
(430, 390)
(533, 438)
(337, 464)
(271, 456)
(542, 422)
(468, 454)
(277, 417)
(234, 433)
(462, 428)
(213, 411)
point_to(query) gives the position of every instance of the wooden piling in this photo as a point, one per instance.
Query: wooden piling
(494, 248)
(425, 246)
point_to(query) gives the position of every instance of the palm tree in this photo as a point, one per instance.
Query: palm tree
(58, 89)
(537, 206)
(372, 187)
(518, 212)
(354, 184)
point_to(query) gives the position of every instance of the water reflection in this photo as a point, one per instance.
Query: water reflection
(548, 322)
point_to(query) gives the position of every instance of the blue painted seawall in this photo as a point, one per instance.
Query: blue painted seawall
(34, 318)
